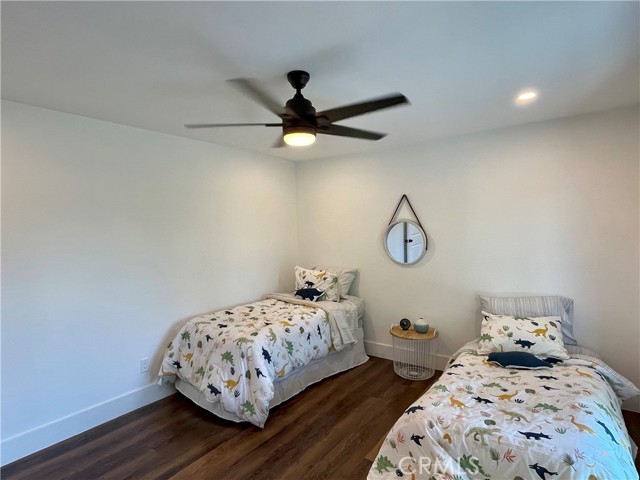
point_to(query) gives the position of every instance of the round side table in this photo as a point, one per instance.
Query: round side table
(413, 353)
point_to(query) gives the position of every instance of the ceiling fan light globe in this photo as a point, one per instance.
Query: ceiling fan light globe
(299, 136)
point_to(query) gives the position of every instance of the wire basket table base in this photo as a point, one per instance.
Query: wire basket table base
(413, 355)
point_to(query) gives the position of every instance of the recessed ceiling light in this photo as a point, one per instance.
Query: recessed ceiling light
(527, 96)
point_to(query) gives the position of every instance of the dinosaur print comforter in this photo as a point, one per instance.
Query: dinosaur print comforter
(234, 356)
(481, 421)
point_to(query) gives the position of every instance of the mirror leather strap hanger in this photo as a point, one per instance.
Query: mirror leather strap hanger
(405, 198)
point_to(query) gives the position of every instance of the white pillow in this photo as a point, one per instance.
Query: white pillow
(321, 280)
(534, 306)
(541, 336)
(346, 276)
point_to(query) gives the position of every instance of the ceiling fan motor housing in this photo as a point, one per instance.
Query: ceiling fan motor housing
(302, 108)
(304, 117)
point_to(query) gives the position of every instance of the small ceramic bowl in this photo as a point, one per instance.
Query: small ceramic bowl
(421, 328)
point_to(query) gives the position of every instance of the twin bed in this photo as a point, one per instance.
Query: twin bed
(240, 362)
(500, 412)
(523, 401)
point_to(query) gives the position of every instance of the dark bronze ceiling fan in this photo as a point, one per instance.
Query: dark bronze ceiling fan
(300, 121)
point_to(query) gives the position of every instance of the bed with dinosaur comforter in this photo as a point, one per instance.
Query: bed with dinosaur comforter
(482, 421)
(230, 361)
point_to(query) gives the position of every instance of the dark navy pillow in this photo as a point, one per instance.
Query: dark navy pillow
(311, 294)
(523, 360)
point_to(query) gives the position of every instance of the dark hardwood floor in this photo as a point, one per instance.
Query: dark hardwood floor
(323, 433)
(632, 419)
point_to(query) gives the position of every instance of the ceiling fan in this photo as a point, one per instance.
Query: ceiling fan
(300, 121)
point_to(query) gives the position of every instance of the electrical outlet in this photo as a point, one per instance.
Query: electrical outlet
(144, 365)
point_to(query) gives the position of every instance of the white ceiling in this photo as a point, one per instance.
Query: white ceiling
(159, 65)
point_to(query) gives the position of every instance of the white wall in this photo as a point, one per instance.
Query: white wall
(548, 208)
(111, 237)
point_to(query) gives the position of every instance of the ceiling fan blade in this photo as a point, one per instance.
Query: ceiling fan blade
(342, 131)
(250, 88)
(347, 111)
(213, 125)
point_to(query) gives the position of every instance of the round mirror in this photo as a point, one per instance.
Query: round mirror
(405, 242)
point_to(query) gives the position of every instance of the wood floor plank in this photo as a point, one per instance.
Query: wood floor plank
(323, 433)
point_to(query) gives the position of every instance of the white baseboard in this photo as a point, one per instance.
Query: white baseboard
(30, 441)
(382, 350)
